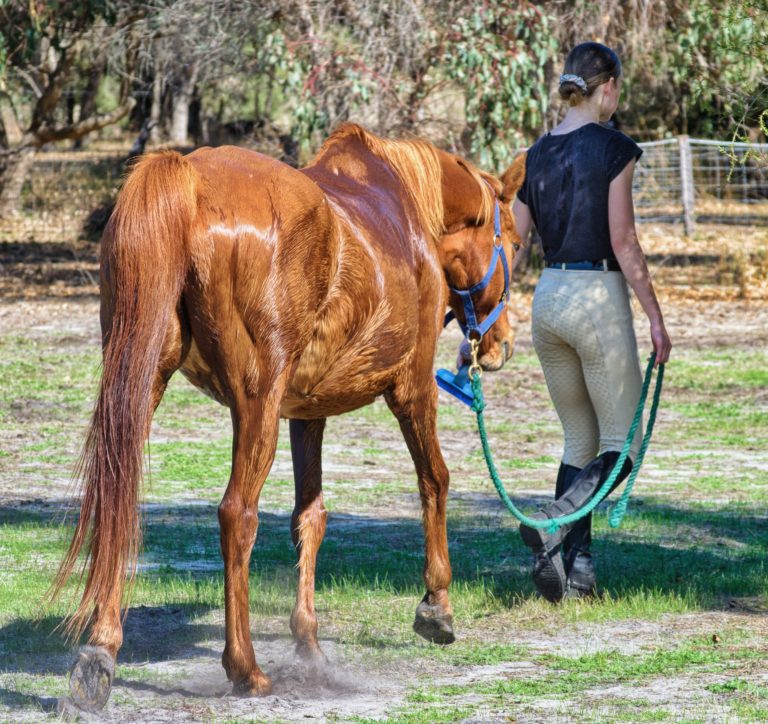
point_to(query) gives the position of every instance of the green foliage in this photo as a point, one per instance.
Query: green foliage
(716, 60)
(303, 68)
(27, 24)
(499, 58)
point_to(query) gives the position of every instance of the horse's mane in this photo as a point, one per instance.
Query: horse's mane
(417, 165)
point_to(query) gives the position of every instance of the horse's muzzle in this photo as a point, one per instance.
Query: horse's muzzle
(494, 362)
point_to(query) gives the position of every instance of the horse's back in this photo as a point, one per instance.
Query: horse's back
(248, 184)
(312, 269)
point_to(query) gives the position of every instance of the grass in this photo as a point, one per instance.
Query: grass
(563, 678)
(721, 370)
(694, 541)
(748, 701)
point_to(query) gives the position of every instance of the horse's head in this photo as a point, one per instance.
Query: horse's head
(477, 208)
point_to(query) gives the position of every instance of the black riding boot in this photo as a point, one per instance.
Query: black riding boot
(565, 477)
(549, 573)
(580, 579)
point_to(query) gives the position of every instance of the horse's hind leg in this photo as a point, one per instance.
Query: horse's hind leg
(415, 406)
(256, 423)
(307, 528)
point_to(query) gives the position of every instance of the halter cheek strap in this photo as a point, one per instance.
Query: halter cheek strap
(471, 326)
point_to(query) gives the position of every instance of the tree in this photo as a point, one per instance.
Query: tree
(471, 76)
(690, 66)
(500, 55)
(40, 50)
(191, 45)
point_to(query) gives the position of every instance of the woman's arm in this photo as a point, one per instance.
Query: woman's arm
(523, 226)
(523, 220)
(626, 247)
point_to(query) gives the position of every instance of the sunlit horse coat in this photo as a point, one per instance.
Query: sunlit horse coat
(280, 292)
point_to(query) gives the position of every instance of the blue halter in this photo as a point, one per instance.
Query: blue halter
(471, 325)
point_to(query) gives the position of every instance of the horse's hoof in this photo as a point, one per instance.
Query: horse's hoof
(433, 623)
(257, 684)
(90, 679)
(311, 654)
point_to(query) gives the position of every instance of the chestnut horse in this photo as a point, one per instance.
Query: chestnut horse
(280, 293)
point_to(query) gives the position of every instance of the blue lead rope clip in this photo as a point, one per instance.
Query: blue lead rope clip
(457, 384)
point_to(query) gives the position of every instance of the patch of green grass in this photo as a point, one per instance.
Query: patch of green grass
(528, 463)
(612, 665)
(564, 677)
(425, 715)
(23, 691)
(739, 686)
(190, 466)
(730, 424)
(748, 701)
(483, 654)
(720, 370)
(632, 601)
(721, 555)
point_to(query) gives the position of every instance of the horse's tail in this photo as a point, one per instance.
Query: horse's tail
(143, 267)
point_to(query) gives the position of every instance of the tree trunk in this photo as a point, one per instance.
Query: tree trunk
(13, 132)
(155, 115)
(183, 93)
(88, 97)
(13, 174)
(15, 162)
(196, 120)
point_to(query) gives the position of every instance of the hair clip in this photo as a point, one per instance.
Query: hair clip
(577, 79)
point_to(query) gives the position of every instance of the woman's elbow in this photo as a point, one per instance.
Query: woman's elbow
(523, 221)
(624, 240)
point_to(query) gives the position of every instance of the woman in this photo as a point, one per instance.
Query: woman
(578, 193)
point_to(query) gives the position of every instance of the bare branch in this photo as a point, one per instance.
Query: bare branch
(30, 81)
(83, 128)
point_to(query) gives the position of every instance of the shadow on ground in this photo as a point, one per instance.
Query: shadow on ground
(714, 556)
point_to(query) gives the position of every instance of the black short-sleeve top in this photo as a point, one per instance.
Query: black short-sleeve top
(566, 189)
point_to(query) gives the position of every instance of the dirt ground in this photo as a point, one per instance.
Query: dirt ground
(46, 290)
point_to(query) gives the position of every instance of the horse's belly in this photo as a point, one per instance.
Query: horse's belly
(339, 389)
(354, 355)
(200, 374)
(317, 406)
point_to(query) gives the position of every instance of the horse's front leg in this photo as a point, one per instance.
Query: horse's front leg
(415, 406)
(307, 529)
(256, 423)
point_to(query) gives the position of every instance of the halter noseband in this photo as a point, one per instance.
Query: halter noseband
(471, 325)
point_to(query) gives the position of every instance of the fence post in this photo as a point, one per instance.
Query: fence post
(686, 183)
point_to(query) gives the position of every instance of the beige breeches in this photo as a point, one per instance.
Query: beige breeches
(583, 335)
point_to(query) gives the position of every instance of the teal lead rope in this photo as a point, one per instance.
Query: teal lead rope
(552, 524)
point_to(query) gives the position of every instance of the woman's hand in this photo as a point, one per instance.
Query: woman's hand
(465, 354)
(661, 343)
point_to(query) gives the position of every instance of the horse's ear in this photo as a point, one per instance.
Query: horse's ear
(512, 179)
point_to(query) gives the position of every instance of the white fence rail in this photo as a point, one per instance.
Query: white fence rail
(693, 180)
